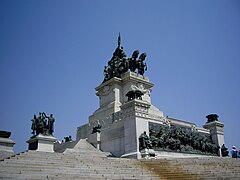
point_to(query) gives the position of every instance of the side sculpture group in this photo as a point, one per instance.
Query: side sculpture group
(97, 128)
(212, 118)
(43, 124)
(179, 140)
(120, 64)
(134, 95)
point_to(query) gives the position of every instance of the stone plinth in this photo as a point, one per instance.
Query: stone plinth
(135, 123)
(6, 147)
(216, 132)
(41, 143)
(94, 139)
(147, 153)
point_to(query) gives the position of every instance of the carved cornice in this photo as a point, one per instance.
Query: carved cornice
(141, 87)
(110, 82)
(105, 90)
(142, 83)
(135, 108)
(214, 126)
(137, 78)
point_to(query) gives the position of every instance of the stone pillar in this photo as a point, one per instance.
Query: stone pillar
(109, 94)
(216, 132)
(135, 123)
(94, 139)
(6, 145)
(41, 143)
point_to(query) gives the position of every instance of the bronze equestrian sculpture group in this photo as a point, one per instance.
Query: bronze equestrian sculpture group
(119, 63)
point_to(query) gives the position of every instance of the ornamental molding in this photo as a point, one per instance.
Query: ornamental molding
(135, 108)
(141, 87)
(104, 91)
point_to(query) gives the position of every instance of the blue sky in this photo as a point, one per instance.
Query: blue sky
(52, 55)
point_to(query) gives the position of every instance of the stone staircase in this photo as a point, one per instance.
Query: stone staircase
(86, 162)
(195, 168)
(82, 162)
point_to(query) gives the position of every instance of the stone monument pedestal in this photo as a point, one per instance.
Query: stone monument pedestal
(147, 153)
(135, 123)
(126, 111)
(42, 143)
(6, 147)
(216, 132)
(94, 139)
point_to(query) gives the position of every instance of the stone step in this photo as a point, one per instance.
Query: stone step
(42, 165)
(86, 162)
(60, 164)
(67, 160)
(61, 157)
(194, 163)
(199, 169)
(77, 172)
(59, 177)
(53, 173)
(75, 169)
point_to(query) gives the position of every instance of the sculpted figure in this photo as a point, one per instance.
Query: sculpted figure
(97, 128)
(113, 68)
(122, 53)
(119, 52)
(34, 124)
(119, 40)
(50, 124)
(130, 95)
(40, 125)
(123, 66)
(106, 74)
(212, 117)
(5, 134)
(144, 141)
(66, 139)
(184, 140)
(120, 64)
(133, 61)
(44, 124)
(141, 65)
(143, 56)
(134, 95)
(138, 94)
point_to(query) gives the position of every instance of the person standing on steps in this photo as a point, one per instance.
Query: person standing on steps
(234, 152)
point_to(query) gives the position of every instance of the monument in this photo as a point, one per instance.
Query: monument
(6, 145)
(128, 125)
(42, 130)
